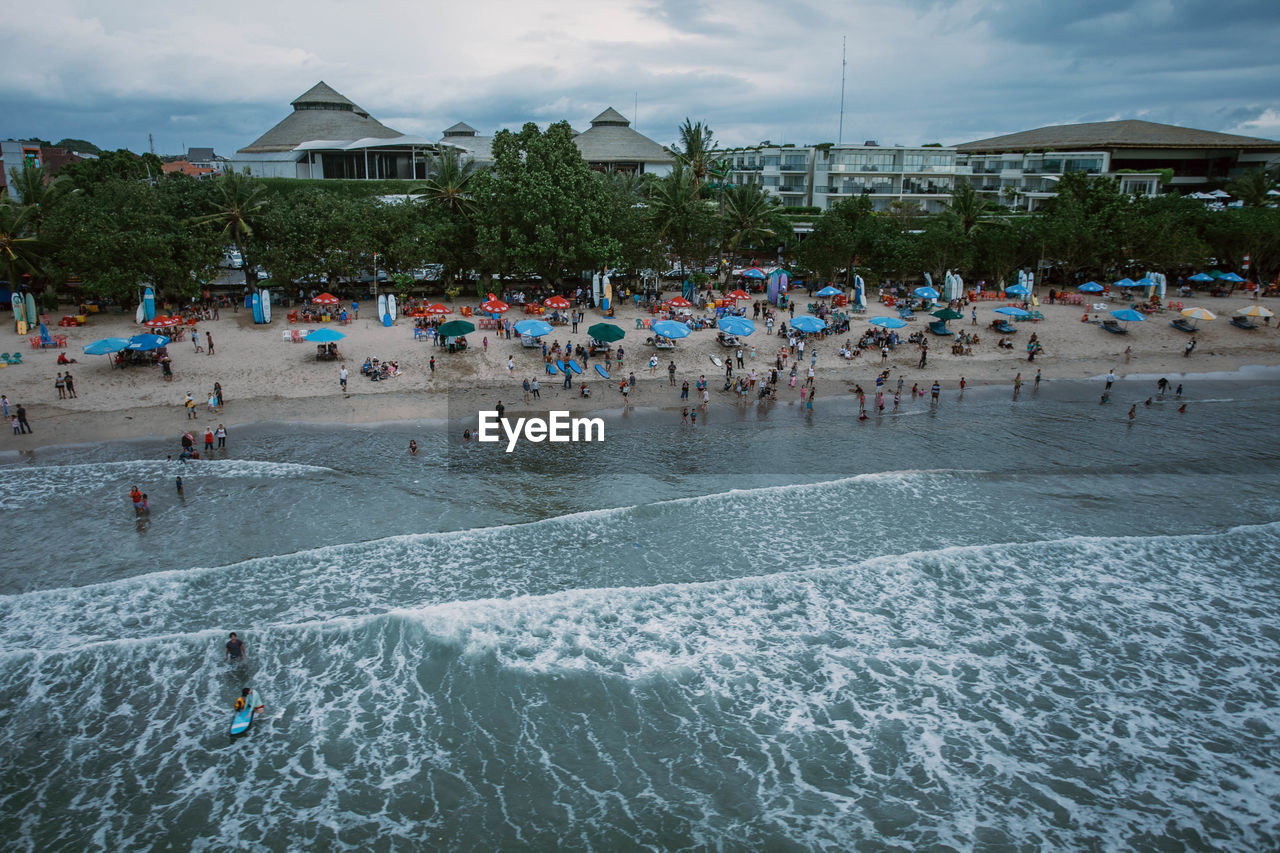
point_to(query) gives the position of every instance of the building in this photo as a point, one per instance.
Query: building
(824, 175)
(199, 163)
(17, 154)
(610, 145)
(328, 136)
(464, 138)
(1023, 169)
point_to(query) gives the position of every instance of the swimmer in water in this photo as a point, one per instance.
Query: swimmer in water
(413, 447)
(466, 436)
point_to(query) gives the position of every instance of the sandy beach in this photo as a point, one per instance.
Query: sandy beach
(265, 378)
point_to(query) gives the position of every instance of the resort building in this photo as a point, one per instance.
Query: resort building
(823, 175)
(610, 145)
(1023, 169)
(18, 153)
(328, 136)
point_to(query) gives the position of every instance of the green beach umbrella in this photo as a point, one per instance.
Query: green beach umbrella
(606, 332)
(945, 314)
(454, 328)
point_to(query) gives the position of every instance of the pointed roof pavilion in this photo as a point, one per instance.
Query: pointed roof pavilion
(611, 140)
(319, 113)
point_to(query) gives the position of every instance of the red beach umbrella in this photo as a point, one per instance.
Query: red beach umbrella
(437, 308)
(679, 302)
(494, 305)
(737, 294)
(326, 299)
(558, 302)
(163, 322)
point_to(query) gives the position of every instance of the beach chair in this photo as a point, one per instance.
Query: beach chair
(298, 337)
(938, 327)
(16, 358)
(285, 336)
(1182, 325)
(1243, 323)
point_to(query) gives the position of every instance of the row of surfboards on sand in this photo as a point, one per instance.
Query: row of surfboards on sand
(24, 312)
(573, 367)
(387, 308)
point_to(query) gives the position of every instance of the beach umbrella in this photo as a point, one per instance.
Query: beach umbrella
(1127, 315)
(1017, 290)
(494, 305)
(606, 332)
(945, 314)
(533, 328)
(1090, 287)
(454, 328)
(828, 291)
(736, 325)
(679, 302)
(1144, 282)
(146, 343)
(324, 336)
(106, 346)
(326, 299)
(1124, 282)
(557, 302)
(925, 293)
(1011, 311)
(808, 324)
(1255, 311)
(163, 322)
(1231, 277)
(670, 329)
(754, 272)
(887, 322)
(737, 294)
(1201, 278)
(437, 308)
(1199, 314)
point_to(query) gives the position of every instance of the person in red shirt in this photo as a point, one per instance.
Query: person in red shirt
(208, 439)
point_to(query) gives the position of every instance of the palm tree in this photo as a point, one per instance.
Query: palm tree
(968, 206)
(238, 211)
(696, 151)
(1252, 187)
(34, 191)
(751, 216)
(21, 251)
(449, 182)
(679, 213)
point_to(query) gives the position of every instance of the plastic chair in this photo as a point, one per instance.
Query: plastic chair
(16, 358)
(640, 324)
(284, 334)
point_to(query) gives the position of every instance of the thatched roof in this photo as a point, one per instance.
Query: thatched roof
(1096, 135)
(319, 113)
(465, 138)
(611, 140)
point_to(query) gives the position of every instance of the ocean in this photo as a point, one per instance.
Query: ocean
(986, 625)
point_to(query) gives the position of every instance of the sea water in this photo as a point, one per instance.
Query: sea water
(989, 624)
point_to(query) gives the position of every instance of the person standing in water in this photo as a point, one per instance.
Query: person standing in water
(235, 650)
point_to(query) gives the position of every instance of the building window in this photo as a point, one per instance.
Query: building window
(794, 161)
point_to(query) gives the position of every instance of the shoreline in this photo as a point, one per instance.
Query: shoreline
(391, 409)
(269, 381)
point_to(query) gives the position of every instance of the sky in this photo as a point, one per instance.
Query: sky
(949, 71)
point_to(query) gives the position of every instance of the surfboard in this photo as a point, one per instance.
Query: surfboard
(257, 307)
(551, 369)
(602, 371)
(266, 305)
(573, 365)
(33, 319)
(242, 719)
(382, 308)
(560, 365)
(149, 303)
(18, 313)
(141, 314)
(716, 361)
(392, 308)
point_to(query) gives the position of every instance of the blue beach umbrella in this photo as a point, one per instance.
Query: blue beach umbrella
(926, 293)
(1010, 311)
(533, 328)
(888, 322)
(1090, 287)
(808, 324)
(146, 343)
(106, 346)
(324, 336)
(1124, 282)
(1018, 290)
(1128, 315)
(1231, 277)
(670, 329)
(829, 291)
(736, 325)
(1144, 282)
(1200, 277)
(755, 272)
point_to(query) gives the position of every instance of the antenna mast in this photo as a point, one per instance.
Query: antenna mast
(844, 64)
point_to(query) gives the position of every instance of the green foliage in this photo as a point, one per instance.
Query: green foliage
(79, 145)
(120, 165)
(1252, 187)
(236, 208)
(752, 219)
(21, 251)
(685, 224)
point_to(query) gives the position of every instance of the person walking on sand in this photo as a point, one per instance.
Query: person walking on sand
(70, 383)
(527, 388)
(342, 378)
(671, 375)
(1191, 345)
(22, 419)
(208, 337)
(1111, 378)
(511, 367)
(684, 390)
(61, 386)
(1036, 387)
(533, 389)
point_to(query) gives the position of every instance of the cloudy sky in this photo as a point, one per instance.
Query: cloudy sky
(950, 71)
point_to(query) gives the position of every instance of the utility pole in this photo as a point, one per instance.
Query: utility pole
(151, 140)
(844, 64)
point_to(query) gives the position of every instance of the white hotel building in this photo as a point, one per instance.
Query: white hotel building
(824, 175)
